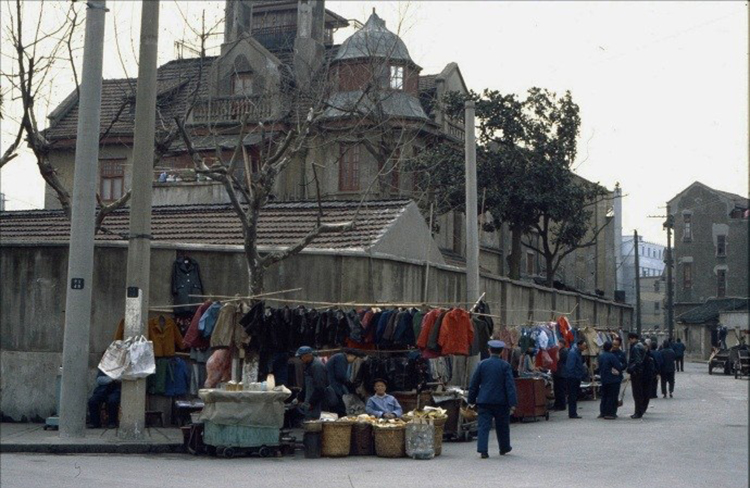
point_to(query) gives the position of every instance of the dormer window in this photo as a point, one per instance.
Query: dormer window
(242, 84)
(397, 77)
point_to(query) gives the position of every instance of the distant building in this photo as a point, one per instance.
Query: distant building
(710, 246)
(650, 264)
(653, 295)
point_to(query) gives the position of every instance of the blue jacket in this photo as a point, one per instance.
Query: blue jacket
(337, 368)
(620, 354)
(668, 357)
(658, 361)
(679, 349)
(492, 383)
(574, 367)
(607, 362)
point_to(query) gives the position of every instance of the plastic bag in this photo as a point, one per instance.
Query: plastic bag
(116, 359)
(218, 368)
(420, 440)
(142, 361)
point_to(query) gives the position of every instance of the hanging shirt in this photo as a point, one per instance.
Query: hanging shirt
(166, 339)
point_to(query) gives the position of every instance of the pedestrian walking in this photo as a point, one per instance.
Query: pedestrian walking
(638, 375)
(667, 369)
(575, 372)
(610, 374)
(679, 351)
(493, 390)
(655, 356)
(558, 377)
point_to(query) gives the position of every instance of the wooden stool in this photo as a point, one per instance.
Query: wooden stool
(152, 416)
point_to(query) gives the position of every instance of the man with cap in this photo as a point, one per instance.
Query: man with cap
(382, 405)
(316, 381)
(493, 390)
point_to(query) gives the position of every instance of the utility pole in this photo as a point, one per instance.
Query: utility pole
(132, 422)
(472, 231)
(75, 372)
(669, 225)
(637, 285)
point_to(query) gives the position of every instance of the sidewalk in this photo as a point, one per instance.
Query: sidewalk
(18, 437)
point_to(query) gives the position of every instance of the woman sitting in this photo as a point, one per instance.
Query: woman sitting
(527, 367)
(382, 405)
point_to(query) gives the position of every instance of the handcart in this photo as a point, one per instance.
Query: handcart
(461, 424)
(742, 364)
(532, 399)
(244, 422)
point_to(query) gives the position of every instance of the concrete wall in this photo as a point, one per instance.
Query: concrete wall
(32, 301)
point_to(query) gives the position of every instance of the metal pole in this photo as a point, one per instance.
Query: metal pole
(472, 231)
(133, 420)
(669, 224)
(637, 285)
(74, 389)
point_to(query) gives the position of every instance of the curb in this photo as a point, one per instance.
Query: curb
(93, 448)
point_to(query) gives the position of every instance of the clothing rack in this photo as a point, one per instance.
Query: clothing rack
(251, 297)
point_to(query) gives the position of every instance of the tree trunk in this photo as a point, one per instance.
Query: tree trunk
(514, 259)
(549, 271)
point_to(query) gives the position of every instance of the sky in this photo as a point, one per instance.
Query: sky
(662, 86)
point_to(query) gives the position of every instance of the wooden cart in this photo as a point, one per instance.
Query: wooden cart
(532, 399)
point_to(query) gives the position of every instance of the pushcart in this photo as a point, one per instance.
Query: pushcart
(532, 399)
(742, 364)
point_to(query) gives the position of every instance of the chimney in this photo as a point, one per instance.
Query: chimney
(238, 20)
(308, 45)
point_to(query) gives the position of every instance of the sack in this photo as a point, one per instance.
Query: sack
(354, 405)
(142, 361)
(116, 359)
(420, 440)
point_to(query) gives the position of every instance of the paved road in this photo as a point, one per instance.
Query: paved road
(697, 439)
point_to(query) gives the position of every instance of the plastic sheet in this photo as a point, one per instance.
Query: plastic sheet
(420, 440)
(247, 408)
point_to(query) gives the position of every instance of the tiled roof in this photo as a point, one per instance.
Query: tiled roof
(281, 224)
(710, 310)
(427, 82)
(393, 103)
(176, 81)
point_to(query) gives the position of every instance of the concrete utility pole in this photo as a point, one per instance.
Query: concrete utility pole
(74, 388)
(132, 422)
(669, 225)
(472, 231)
(637, 285)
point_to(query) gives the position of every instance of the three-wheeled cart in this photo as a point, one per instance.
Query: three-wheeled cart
(243, 422)
(532, 399)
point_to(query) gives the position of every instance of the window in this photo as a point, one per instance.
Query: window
(656, 286)
(397, 77)
(721, 283)
(111, 179)
(529, 263)
(687, 232)
(721, 245)
(687, 275)
(657, 306)
(349, 168)
(242, 84)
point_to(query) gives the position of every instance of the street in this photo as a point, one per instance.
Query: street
(697, 439)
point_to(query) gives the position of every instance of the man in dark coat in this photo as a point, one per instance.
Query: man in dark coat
(610, 373)
(638, 375)
(338, 379)
(558, 376)
(655, 356)
(679, 351)
(316, 380)
(668, 357)
(493, 390)
(575, 372)
(107, 391)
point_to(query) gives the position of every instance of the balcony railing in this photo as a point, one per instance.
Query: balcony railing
(234, 109)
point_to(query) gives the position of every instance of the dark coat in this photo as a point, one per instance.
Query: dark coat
(668, 358)
(574, 368)
(337, 367)
(186, 281)
(607, 362)
(492, 384)
(679, 349)
(562, 359)
(637, 360)
(316, 380)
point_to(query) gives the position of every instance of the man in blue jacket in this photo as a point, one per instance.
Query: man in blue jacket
(610, 373)
(575, 372)
(493, 390)
(666, 373)
(679, 350)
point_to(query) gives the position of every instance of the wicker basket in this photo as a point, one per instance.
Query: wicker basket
(312, 426)
(439, 427)
(337, 438)
(362, 442)
(389, 441)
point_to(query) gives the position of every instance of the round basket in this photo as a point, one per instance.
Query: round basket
(362, 439)
(337, 438)
(389, 441)
(439, 428)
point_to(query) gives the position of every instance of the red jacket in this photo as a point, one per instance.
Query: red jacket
(427, 323)
(456, 333)
(193, 337)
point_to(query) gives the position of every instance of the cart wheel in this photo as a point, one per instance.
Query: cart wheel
(546, 416)
(228, 452)
(264, 451)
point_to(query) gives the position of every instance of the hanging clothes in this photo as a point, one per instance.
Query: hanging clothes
(163, 332)
(193, 338)
(456, 333)
(186, 281)
(228, 331)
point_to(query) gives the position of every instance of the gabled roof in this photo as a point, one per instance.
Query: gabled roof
(738, 200)
(281, 224)
(709, 311)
